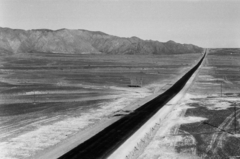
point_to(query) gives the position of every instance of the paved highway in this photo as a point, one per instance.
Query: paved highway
(105, 142)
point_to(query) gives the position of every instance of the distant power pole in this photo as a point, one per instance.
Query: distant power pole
(221, 88)
(235, 121)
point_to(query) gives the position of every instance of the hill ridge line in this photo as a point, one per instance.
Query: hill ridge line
(80, 41)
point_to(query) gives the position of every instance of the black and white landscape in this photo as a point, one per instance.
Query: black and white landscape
(76, 93)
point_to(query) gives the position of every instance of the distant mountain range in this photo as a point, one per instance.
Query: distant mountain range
(83, 42)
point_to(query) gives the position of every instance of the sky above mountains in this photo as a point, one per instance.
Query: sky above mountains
(207, 23)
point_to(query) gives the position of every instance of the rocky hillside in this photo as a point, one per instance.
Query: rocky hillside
(83, 41)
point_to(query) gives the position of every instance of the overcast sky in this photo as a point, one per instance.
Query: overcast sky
(207, 23)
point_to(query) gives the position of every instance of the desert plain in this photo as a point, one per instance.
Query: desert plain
(48, 99)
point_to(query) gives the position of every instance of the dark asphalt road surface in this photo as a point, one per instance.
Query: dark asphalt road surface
(105, 142)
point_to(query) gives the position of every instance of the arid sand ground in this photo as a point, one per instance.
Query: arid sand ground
(51, 100)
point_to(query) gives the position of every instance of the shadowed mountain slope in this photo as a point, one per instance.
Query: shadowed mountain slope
(84, 42)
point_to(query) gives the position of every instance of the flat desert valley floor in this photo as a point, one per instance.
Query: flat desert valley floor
(47, 98)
